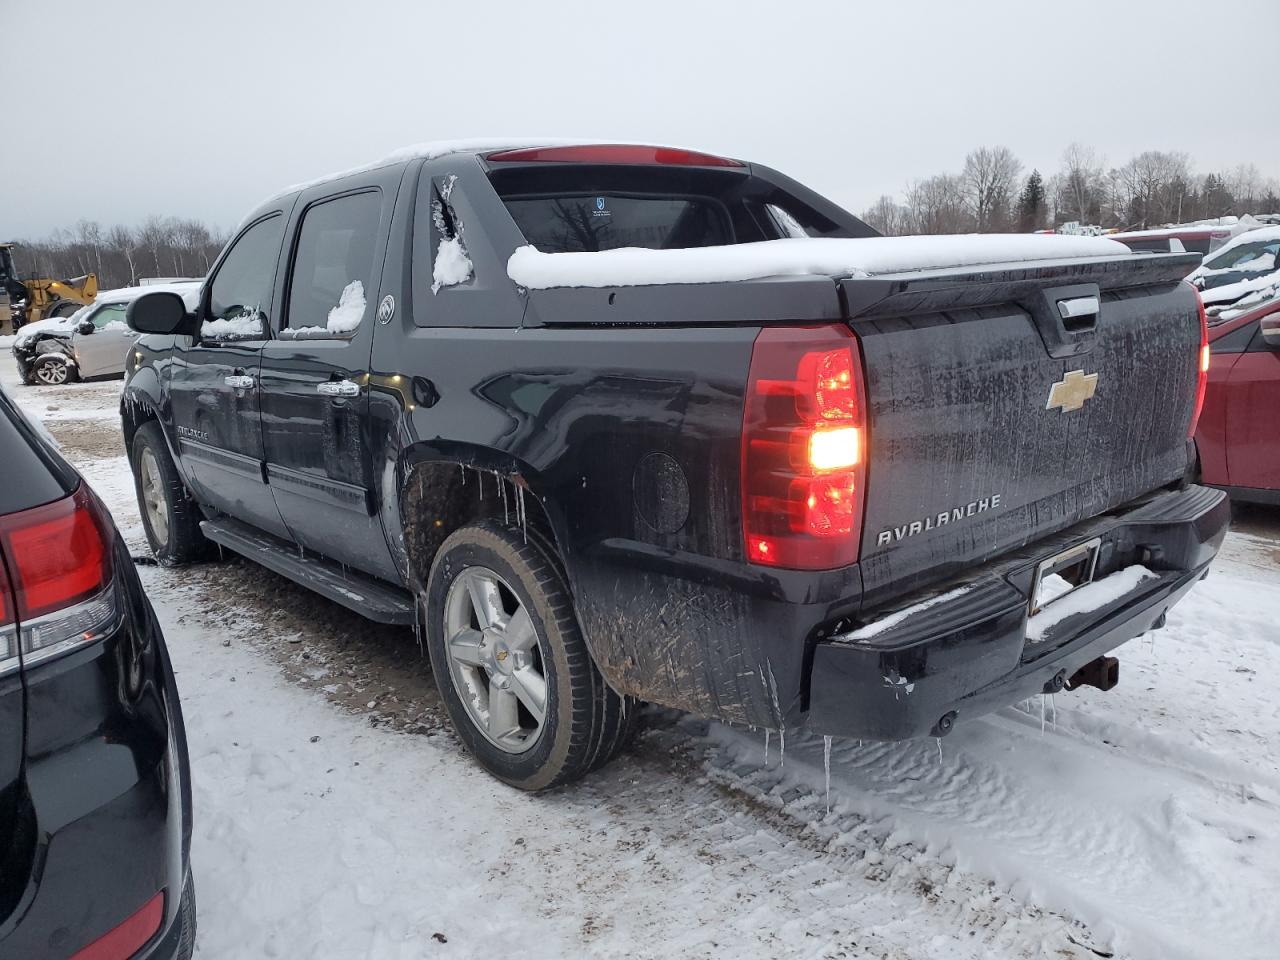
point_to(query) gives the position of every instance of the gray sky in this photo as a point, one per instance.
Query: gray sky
(203, 109)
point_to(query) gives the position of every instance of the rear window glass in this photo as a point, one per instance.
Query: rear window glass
(593, 222)
(572, 208)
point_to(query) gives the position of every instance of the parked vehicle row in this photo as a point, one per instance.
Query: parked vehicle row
(634, 424)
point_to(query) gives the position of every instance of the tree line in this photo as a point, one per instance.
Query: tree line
(120, 255)
(991, 195)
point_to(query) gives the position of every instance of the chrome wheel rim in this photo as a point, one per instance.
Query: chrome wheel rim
(153, 498)
(495, 660)
(52, 372)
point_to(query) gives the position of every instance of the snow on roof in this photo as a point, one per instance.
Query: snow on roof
(821, 256)
(126, 294)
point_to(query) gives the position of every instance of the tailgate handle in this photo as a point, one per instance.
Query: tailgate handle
(1078, 313)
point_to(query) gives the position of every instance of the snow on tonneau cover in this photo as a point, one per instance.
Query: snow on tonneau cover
(1015, 384)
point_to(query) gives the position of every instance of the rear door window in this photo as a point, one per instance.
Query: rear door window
(333, 267)
(604, 221)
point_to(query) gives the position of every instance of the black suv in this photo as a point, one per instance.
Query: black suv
(95, 798)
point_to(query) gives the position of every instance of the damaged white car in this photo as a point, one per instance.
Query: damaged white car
(92, 343)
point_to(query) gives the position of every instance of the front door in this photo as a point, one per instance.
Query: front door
(315, 377)
(102, 352)
(1253, 432)
(214, 383)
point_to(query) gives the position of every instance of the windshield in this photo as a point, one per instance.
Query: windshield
(1259, 257)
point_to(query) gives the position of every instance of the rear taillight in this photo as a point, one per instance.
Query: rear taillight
(59, 566)
(8, 622)
(803, 448)
(1202, 362)
(129, 937)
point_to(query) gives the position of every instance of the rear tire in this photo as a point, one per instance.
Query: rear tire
(169, 515)
(187, 920)
(531, 631)
(62, 308)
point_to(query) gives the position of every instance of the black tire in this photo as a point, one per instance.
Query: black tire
(585, 722)
(180, 540)
(53, 370)
(187, 921)
(62, 308)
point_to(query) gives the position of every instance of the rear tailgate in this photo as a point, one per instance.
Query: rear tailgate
(994, 421)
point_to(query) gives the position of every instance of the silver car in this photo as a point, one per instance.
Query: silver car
(92, 343)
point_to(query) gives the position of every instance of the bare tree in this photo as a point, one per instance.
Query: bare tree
(938, 205)
(1078, 187)
(990, 177)
(887, 216)
(123, 241)
(1153, 187)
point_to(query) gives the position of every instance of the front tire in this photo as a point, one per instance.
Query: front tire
(169, 516)
(52, 370)
(511, 664)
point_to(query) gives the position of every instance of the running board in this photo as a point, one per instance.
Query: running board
(368, 597)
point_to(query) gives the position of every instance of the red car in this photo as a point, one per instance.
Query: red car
(1238, 437)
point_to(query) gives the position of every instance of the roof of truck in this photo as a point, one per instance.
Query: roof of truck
(434, 149)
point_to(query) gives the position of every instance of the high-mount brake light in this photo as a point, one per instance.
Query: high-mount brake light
(803, 441)
(1202, 372)
(612, 153)
(60, 595)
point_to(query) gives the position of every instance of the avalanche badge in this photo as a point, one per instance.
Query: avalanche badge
(1072, 391)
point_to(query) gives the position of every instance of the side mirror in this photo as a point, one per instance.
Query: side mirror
(1271, 331)
(85, 327)
(160, 312)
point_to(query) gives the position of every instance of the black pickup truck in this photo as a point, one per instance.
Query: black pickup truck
(618, 424)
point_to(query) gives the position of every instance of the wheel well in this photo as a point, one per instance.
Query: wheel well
(132, 416)
(439, 497)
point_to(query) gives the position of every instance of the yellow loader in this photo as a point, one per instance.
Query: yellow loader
(37, 299)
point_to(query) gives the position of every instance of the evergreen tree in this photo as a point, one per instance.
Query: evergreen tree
(1031, 204)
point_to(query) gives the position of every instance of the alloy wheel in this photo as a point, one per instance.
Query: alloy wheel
(495, 659)
(153, 496)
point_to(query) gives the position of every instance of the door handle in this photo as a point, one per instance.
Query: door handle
(338, 388)
(239, 381)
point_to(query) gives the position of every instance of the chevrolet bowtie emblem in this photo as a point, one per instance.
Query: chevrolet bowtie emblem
(1072, 391)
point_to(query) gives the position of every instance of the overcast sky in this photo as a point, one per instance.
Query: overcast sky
(123, 109)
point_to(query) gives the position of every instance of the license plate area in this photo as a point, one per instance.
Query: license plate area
(1063, 573)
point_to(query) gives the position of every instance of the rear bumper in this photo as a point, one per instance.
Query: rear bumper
(969, 654)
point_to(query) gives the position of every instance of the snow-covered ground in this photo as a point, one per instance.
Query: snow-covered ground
(336, 816)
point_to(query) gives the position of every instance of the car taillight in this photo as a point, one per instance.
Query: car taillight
(8, 622)
(58, 560)
(803, 448)
(129, 937)
(1202, 360)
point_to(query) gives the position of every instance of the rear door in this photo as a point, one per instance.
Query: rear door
(315, 374)
(102, 352)
(217, 426)
(1253, 432)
